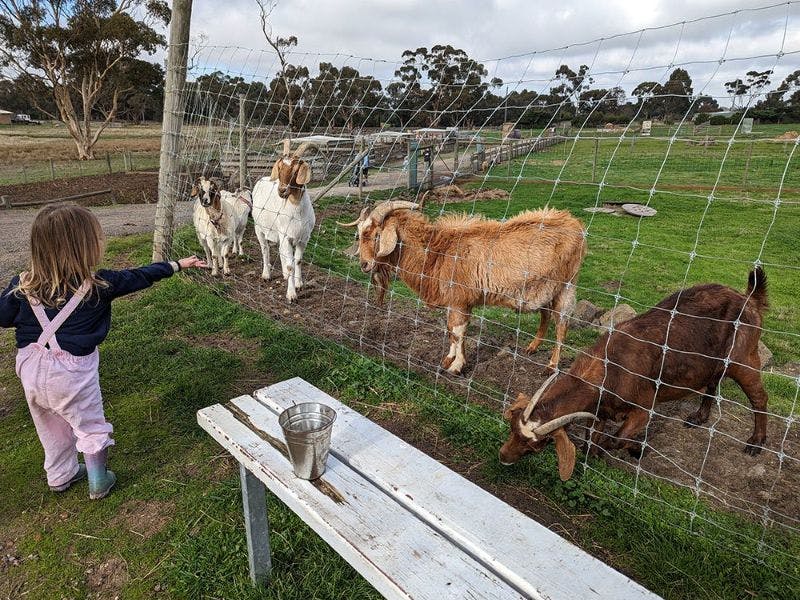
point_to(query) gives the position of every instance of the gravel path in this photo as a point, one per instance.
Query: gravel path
(124, 219)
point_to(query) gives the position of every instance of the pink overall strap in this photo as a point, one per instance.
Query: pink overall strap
(49, 327)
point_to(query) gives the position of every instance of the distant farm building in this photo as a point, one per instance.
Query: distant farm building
(5, 117)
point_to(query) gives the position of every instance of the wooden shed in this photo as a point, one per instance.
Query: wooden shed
(5, 117)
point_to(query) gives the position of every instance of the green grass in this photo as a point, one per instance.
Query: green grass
(68, 169)
(161, 364)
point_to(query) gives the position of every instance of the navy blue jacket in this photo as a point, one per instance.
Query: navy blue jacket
(85, 328)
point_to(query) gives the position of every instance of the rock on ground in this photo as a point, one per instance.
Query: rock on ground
(584, 314)
(618, 314)
(764, 354)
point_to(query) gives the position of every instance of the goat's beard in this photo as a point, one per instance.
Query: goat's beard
(380, 279)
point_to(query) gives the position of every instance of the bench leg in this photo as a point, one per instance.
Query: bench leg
(256, 526)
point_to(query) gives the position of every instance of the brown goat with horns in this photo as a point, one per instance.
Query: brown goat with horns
(687, 343)
(527, 263)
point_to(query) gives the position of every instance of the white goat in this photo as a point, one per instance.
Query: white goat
(240, 202)
(283, 214)
(214, 222)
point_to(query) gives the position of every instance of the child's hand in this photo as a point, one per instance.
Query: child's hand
(192, 262)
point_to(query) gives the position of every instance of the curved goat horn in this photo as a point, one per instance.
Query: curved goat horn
(361, 217)
(301, 149)
(386, 208)
(423, 199)
(529, 409)
(551, 426)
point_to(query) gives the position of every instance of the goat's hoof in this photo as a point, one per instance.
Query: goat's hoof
(637, 451)
(532, 347)
(753, 447)
(265, 276)
(455, 371)
(447, 361)
(291, 297)
(694, 420)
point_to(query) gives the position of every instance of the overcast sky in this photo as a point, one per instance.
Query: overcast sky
(520, 41)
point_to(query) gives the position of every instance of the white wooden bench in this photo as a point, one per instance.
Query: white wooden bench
(412, 527)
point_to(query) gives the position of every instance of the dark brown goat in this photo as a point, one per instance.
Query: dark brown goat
(687, 343)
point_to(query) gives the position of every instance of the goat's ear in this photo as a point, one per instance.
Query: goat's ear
(195, 191)
(303, 174)
(275, 170)
(388, 240)
(521, 403)
(565, 451)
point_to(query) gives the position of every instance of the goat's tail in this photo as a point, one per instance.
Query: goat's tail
(757, 287)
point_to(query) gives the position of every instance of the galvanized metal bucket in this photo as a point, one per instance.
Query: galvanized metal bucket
(307, 429)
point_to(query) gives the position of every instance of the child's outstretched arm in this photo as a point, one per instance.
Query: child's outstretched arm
(128, 281)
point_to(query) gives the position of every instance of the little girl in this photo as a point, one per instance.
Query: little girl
(61, 309)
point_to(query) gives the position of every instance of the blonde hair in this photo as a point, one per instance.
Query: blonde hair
(67, 245)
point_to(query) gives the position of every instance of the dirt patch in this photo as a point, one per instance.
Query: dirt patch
(613, 285)
(452, 193)
(498, 367)
(143, 518)
(789, 135)
(120, 220)
(104, 581)
(126, 188)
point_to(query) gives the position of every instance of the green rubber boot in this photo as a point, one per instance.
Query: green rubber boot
(101, 480)
(81, 474)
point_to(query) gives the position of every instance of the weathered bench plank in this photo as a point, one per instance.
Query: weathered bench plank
(534, 559)
(400, 555)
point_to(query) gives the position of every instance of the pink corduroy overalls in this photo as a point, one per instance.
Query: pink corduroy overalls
(63, 394)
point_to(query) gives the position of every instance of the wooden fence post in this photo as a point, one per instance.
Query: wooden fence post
(52, 170)
(125, 161)
(108, 162)
(169, 167)
(242, 144)
(594, 160)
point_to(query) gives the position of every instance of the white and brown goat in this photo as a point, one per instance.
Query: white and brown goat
(283, 214)
(215, 222)
(528, 263)
(241, 203)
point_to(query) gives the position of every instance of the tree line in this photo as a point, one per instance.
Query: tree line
(443, 87)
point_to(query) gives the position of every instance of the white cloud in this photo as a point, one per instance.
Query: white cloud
(531, 34)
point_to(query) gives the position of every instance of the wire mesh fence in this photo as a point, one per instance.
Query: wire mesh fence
(480, 253)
